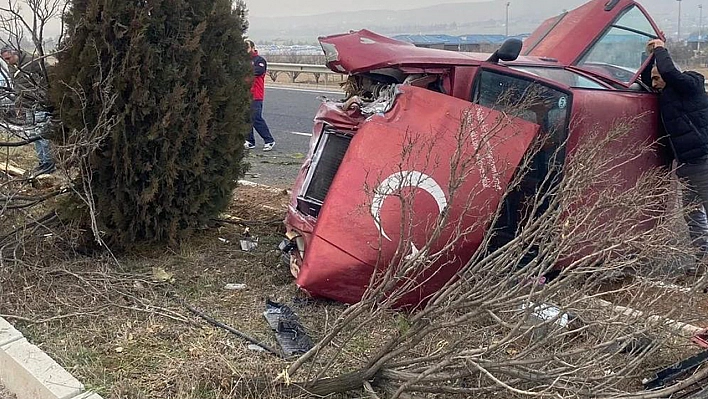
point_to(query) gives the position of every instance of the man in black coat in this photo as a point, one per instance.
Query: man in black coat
(684, 112)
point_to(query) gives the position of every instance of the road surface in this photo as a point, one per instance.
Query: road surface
(289, 114)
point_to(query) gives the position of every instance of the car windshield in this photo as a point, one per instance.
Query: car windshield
(621, 51)
(561, 76)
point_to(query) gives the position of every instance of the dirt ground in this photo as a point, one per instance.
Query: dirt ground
(121, 325)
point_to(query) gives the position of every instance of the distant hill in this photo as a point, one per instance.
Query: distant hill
(454, 18)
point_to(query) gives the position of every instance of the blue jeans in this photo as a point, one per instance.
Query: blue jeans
(44, 155)
(41, 147)
(259, 124)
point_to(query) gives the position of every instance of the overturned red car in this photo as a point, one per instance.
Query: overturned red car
(344, 219)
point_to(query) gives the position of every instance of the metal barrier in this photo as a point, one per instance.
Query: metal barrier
(294, 70)
(304, 68)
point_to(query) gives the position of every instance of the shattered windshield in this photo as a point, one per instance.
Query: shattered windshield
(620, 53)
(561, 76)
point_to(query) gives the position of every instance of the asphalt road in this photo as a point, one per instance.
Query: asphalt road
(289, 114)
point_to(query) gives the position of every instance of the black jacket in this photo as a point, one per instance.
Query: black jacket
(684, 109)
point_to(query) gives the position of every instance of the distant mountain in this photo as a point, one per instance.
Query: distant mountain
(454, 18)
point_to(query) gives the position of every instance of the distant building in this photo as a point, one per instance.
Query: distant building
(694, 39)
(467, 43)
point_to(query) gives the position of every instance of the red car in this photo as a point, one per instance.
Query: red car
(398, 131)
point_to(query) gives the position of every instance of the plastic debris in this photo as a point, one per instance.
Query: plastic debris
(248, 242)
(289, 333)
(256, 348)
(677, 370)
(235, 286)
(700, 338)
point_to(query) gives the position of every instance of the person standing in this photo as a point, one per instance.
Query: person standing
(28, 83)
(683, 104)
(260, 66)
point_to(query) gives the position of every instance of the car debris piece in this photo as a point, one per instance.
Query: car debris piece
(235, 286)
(676, 371)
(289, 333)
(700, 338)
(255, 348)
(632, 346)
(248, 242)
(543, 313)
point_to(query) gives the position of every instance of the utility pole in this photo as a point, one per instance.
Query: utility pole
(679, 21)
(506, 25)
(700, 28)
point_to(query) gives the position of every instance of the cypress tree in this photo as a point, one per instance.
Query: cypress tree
(175, 72)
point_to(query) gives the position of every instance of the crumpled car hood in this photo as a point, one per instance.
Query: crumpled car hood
(364, 50)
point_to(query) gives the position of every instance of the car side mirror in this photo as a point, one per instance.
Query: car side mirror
(509, 51)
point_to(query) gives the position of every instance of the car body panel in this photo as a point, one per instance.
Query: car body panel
(429, 121)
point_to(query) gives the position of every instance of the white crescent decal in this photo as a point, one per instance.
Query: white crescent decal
(395, 183)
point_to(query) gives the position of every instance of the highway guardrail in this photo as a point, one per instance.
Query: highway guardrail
(294, 70)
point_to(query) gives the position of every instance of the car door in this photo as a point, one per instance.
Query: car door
(604, 37)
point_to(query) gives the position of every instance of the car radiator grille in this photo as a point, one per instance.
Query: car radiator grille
(328, 156)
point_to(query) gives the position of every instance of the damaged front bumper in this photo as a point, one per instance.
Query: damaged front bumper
(293, 251)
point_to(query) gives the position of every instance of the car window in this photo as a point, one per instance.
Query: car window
(621, 51)
(561, 76)
(533, 101)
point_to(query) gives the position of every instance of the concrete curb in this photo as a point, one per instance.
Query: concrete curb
(29, 373)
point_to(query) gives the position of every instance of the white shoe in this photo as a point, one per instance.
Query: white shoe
(268, 146)
(249, 146)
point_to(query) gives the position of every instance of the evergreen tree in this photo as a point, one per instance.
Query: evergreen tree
(175, 72)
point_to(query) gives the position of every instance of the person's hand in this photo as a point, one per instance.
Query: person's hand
(653, 44)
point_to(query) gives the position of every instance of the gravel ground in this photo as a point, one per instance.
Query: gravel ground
(4, 394)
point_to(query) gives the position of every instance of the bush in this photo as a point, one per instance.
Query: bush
(161, 88)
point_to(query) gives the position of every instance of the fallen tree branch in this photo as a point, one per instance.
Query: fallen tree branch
(28, 140)
(231, 329)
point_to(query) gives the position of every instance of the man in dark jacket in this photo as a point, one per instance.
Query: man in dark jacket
(684, 112)
(258, 93)
(30, 88)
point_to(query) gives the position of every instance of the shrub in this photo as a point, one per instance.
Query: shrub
(161, 88)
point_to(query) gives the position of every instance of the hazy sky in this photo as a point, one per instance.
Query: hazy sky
(283, 8)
